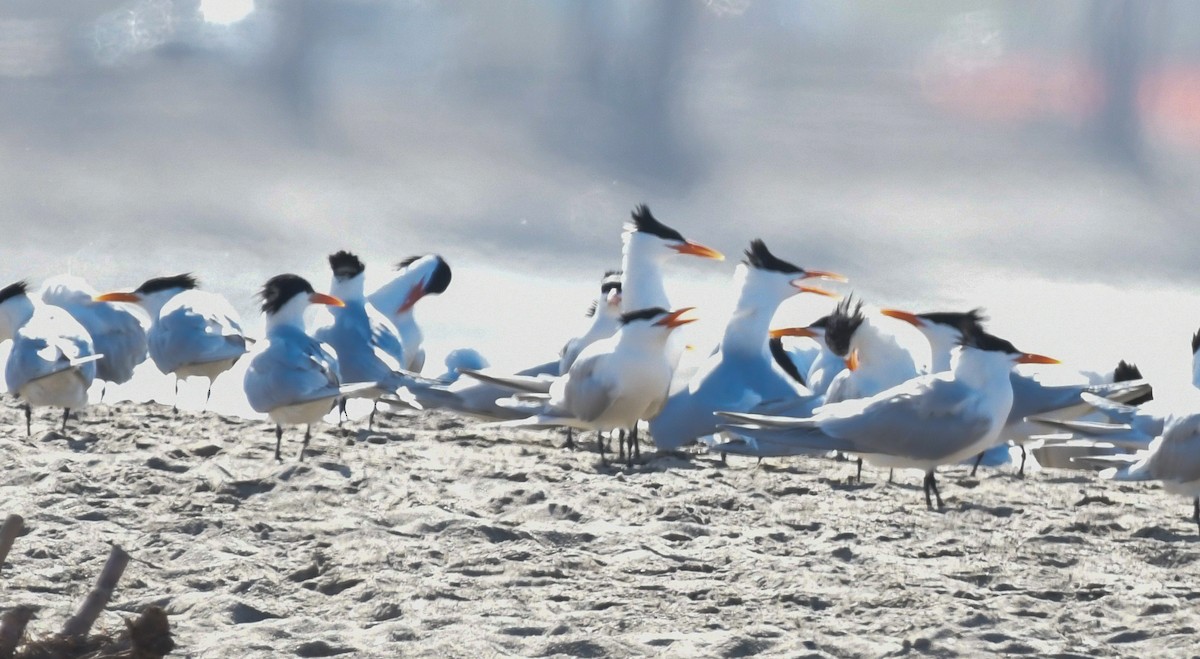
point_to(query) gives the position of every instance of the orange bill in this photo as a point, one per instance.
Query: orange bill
(118, 297)
(852, 360)
(815, 290)
(673, 319)
(907, 317)
(696, 249)
(1031, 358)
(792, 331)
(823, 274)
(321, 298)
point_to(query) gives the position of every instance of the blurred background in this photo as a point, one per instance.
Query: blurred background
(1041, 160)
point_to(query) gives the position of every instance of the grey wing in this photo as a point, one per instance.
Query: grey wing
(288, 375)
(1177, 458)
(924, 419)
(587, 393)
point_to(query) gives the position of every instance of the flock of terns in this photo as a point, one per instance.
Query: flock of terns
(846, 384)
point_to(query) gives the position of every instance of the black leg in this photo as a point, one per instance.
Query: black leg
(891, 474)
(1196, 512)
(28, 420)
(103, 390)
(175, 405)
(208, 395)
(621, 446)
(1021, 471)
(341, 410)
(978, 460)
(858, 476)
(600, 446)
(304, 446)
(66, 415)
(634, 440)
(278, 440)
(931, 486)
(570, 439)
(371, 418)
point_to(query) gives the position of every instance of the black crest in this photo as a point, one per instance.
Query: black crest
(1195, 342)
(591, 310)
(965, 321)
(280, 289)
(821, 323)
(404, 263)
(985, 341)
(758, 256)
(642, 314)
(1126, 372)
(185, 281)
(785, 362)
(13, 290)
(644, 222)
(439, 281)
(611, 282)
(345, 265)
(843, 323)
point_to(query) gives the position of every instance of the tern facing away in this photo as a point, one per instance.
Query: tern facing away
(616, 382)
(117, 333)
(193, 333)
(52, 362)
(293, 379)
(417, 277)
(367, 344)
(931, 420)
(742, 373)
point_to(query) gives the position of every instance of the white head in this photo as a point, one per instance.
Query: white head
(348, 275)
(943, 329)
(154, 293)
(67, 290)
(769, 279)
(654, 324)
(286, 297)
(645, 234)
(15, 308)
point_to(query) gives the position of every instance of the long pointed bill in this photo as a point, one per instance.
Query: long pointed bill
(814, 290)
(321, 298)
(416, 293)
(696, 249)
(792, 331)
(118, 297)
(673, 319)
(911, 319)
(822, 274)
(852, 360)
(1031, 358)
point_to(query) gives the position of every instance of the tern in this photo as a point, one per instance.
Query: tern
(368, 346)
(1032, 396)
(931, 420)
(646, 245)
(193, 333)
(742, 373)
(1172, 458)
(616, 382)
(293, 379)
(605, 312)
(825, 366)
(52, 362)
(117, 333)
(417, 277)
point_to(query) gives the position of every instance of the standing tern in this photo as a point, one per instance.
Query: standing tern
(193, 333)
(1032, 396)
(117, 333)
(417, 277)
(1172, 458)
(52, 362)
(293, 379)
(742, 373)
(616, 382)
(931, 420)
(367, 344)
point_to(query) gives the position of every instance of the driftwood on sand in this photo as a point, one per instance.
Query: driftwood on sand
(146, 637)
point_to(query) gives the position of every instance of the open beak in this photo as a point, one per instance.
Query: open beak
(911, 319)
(118, 297)
(792, 331)
(414, 295)
(814, 289)
(696, 249)
(321, 298)
(673, 319)
(1031, 358)
(822, 274)
(852, 360)
(614, 299)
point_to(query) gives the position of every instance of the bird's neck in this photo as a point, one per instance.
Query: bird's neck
(941, 345)
(746, 331)
(1196, 369)
(14, 313)
(348, 289)
(641, 277)
(877, 349)
(290, 315)
(154, 302)
(979, 368)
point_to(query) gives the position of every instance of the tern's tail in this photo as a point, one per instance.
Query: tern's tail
(525, 383)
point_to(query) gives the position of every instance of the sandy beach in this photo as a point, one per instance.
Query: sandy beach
(433, 536)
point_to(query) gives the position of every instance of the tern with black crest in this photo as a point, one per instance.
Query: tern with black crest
(416, 277)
